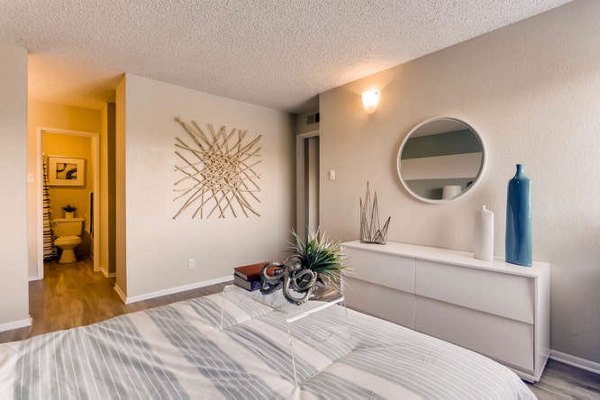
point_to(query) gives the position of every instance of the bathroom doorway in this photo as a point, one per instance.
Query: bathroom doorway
(70, 162)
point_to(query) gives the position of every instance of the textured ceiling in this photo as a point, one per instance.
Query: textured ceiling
(279, 54)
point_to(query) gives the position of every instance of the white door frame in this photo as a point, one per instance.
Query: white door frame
(95, 137)
(300, 179)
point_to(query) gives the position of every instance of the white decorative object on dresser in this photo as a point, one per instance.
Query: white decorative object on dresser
(492, 307)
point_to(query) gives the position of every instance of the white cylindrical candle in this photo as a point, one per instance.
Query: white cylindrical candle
(484, 235)
(451, 191)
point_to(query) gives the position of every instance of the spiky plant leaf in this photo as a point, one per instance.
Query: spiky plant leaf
(319, 254)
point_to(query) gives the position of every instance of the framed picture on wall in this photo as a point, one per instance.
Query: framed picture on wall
(63, 171)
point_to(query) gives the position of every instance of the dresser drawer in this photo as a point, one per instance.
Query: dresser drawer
(385, 303)
(505, 340)
(501, 294)
(381, 269)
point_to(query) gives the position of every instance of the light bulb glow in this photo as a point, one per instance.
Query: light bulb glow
(370, 100)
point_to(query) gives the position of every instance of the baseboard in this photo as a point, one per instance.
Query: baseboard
(34, 278)
(574, 361)
(173, 290)
(524, 375)
(120, 293)
(107, 274)
(21, 323)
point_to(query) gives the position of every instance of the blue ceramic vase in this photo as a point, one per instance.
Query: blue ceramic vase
(518, 220)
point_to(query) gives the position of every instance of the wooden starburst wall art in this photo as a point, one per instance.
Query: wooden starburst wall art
(217, 172)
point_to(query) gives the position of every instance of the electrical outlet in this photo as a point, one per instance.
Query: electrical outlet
(192, 263)
(332, 174)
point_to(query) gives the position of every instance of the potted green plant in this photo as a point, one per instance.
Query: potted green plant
(320, 255)
(69, 211)
(313, 269)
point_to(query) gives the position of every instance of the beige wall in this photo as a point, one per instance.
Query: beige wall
(300, 123)
(14, 295)
(77, 196)
(46, 115)
(533, 91)
(158, 247)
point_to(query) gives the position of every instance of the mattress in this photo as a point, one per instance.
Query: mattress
(215, 348)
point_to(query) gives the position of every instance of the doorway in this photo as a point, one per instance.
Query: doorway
(71, 159)
(307, 184)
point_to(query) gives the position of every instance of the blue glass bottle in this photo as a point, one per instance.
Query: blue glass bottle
(518, 220)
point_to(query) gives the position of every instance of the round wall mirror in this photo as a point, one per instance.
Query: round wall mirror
(441, 159)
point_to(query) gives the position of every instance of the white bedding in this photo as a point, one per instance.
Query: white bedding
(179, 352)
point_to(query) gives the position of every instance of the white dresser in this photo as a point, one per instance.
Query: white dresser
(494, 308)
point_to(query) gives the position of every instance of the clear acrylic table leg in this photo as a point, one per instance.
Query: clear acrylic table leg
(319, 335)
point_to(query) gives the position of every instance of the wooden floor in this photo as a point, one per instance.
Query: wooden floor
(561, 381)
(73, 295)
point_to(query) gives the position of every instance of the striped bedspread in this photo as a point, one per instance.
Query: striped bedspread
(179, 352)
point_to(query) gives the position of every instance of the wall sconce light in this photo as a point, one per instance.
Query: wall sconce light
(370, 100)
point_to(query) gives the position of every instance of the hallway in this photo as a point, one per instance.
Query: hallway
(71, 295)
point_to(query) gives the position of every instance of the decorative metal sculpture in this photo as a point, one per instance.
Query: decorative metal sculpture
(217, 171)
(370, 228)
(297, 283)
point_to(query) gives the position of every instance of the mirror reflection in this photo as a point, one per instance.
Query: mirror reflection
(440, 159)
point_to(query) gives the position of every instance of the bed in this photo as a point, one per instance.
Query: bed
(186, 351)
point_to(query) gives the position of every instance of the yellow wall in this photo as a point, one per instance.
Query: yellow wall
(77, 196)
(120, 233)
(107, 190)
(52, 116)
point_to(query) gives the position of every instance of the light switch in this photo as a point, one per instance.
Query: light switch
(332, 174)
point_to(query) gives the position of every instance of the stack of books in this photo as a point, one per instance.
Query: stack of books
(248, 276)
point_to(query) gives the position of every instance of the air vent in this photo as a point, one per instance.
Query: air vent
(313, 118)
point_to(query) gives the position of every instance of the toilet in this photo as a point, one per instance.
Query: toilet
(68, 236)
